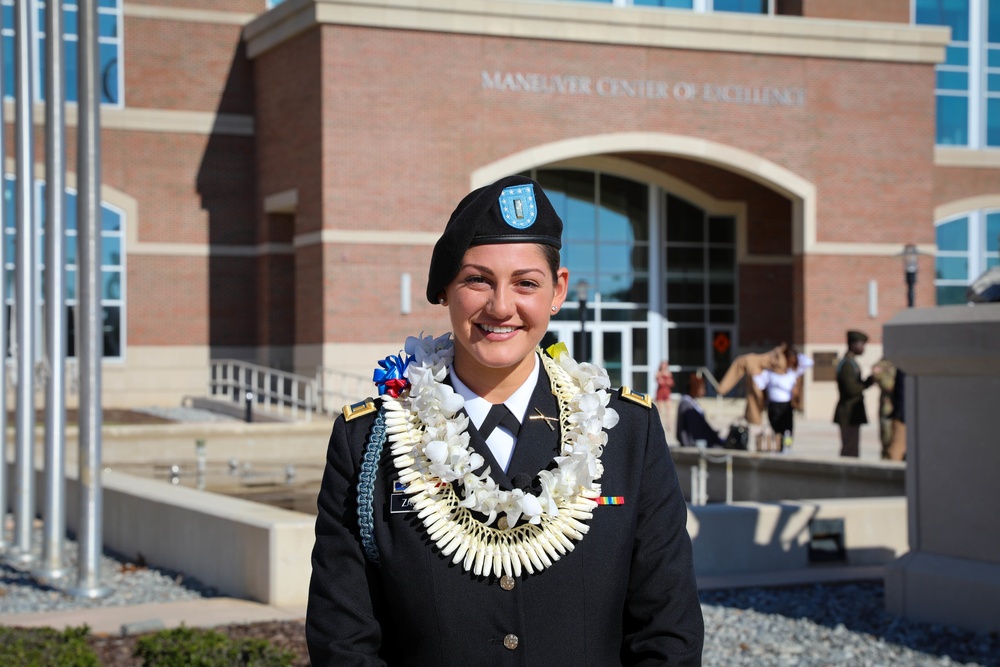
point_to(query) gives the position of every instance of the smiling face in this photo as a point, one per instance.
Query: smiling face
(500, 303)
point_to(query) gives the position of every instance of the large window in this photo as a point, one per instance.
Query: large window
(968, 82)
(699, 281)
(655, 283)
(112, 266)
(967, 246)
(606, 238)
(109, 44)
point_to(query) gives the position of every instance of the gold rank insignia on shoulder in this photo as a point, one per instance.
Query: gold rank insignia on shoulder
(642, 399)
(359, 409)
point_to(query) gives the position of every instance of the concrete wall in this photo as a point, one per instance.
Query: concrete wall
(253, 551)
(768, 478)
(766, 537)
(244, 549)
(952, 573)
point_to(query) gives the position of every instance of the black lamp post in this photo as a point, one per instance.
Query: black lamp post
(910, 255)
(582, 287)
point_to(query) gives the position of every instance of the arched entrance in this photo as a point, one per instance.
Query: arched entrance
(687, 247)
(660, 275)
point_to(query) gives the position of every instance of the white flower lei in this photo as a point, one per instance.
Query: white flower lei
(430, 449)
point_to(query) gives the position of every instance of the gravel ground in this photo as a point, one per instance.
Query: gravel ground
(816, 625)
(130, 582)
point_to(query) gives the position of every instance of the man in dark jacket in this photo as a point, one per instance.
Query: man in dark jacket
(850, 412)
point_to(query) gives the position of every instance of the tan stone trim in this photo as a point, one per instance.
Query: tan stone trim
(965, 157)
(869, 249)
(967, 205)
(186, 14)
(774, 176)
(601, 24)
(203, 250)
(153, 120)
(352, 237)
(282, 202)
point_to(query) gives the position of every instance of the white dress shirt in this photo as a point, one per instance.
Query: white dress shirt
(501, 441)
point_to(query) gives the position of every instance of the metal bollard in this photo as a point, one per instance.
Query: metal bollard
(249, 412)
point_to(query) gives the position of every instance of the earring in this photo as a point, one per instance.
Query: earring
(555, 309)
(441, 301)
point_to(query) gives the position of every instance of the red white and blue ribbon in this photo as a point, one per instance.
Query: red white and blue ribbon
(389, 376)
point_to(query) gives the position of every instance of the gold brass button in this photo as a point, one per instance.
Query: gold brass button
(507, 582)
(510, 641)
(502, 523)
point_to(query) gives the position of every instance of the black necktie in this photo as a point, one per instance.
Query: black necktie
(499, 415)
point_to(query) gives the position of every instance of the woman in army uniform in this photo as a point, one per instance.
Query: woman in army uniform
(500, 505)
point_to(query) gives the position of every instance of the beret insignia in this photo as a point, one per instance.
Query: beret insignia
(517, 205)
(359, 409)
(642, 399)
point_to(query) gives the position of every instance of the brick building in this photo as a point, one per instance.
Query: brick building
(732, 173)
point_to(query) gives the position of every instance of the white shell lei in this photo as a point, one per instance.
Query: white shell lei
(430, 450)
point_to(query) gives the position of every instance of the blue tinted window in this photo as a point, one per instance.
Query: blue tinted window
(953, 235)
(952, 80)
(677, 4)
(581, 257)
(992, 233)
(993, 25)
(112, 250)
(951, 268)
(993, 83)
(993, 122)
(957, 55)
(109, 73)
(952, 120)
(108, 20)
(743, 6)
(953, 13)
(951, 295)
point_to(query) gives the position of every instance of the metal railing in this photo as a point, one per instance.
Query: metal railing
(703, 372)
(279, 393)
(335, 389)
(699, 474)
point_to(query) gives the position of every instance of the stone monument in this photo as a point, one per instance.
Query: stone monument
(951, 574)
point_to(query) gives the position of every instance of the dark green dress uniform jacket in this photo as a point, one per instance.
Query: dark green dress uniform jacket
(626, 595)
(850, 410)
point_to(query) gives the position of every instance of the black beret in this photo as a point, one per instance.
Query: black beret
(512, 210)
(856, 337)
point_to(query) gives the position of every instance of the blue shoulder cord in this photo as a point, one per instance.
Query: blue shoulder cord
(366, 486)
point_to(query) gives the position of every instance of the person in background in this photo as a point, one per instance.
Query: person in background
(897, 446)
(783, 392)
(850, 411)
(664, 387)
(691, 423)
(745, 367)
(884, 373)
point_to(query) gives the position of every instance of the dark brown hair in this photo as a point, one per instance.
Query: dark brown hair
(552, 257)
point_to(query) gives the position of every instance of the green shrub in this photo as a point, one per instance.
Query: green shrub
(44, 647)
(191, 647)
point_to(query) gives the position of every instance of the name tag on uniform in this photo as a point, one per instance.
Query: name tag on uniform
(399, 501)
